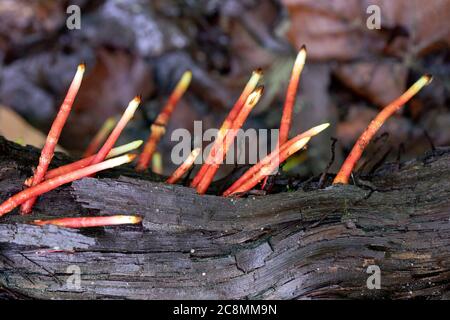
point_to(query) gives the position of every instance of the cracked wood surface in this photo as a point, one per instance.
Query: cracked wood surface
(315, 244)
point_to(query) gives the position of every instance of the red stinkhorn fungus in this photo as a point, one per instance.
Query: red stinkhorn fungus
(273, 157)
(109, 143)
(158, 128)
(86, 222)
(291, 93)
(222, 150)
(51, 184)
(184, 167)
(86, 161)
(53, 136)
(349, 163)
(268, 166)
(101, 136)
(226, 125)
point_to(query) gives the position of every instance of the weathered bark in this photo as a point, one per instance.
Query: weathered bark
(315, 244)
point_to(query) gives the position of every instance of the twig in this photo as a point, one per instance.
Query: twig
(330, 163)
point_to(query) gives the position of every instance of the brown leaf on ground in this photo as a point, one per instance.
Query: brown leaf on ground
(14, 128)
(337, 29)
(380, 82)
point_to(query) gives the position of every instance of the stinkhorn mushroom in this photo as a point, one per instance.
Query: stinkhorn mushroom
(275, 158)
(86, 161)
(53, 136)
(344, 173)
(109, 143)
(222, 150)
(158, 128)
(291, 93)
(226, 125)
(87, 222)
(53, 183)
(184, 167)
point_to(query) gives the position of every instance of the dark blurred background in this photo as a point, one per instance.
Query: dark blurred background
(142, 47)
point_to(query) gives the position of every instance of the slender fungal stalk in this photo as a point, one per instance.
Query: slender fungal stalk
(291, 93)
(109, 143)
(53, 136)
(51, 184)
(86, 222)
(157, 163)
(226, 125)
(268, 166)
(158, 128)
(249, 104)
(184, 167)
(273, 157)
(86, 161)
(101, 136)
(349, 163)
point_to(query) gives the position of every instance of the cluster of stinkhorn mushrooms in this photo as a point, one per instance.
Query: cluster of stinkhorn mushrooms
(98, 158)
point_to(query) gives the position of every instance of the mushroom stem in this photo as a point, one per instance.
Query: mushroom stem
(273, 157)
(349, 163)
(222, 150)
(87, 222)
(184, 167)
(158, 128)
(53, 183)
(226, 125)
(53, 136)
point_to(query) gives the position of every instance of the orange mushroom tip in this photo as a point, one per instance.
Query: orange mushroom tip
(87, 222)
(50, 184)
(184, 82)
(300, 60)
(355, 154)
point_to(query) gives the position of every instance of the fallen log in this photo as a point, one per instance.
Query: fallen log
(294, 245)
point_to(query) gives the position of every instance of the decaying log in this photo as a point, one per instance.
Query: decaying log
(314, 244)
